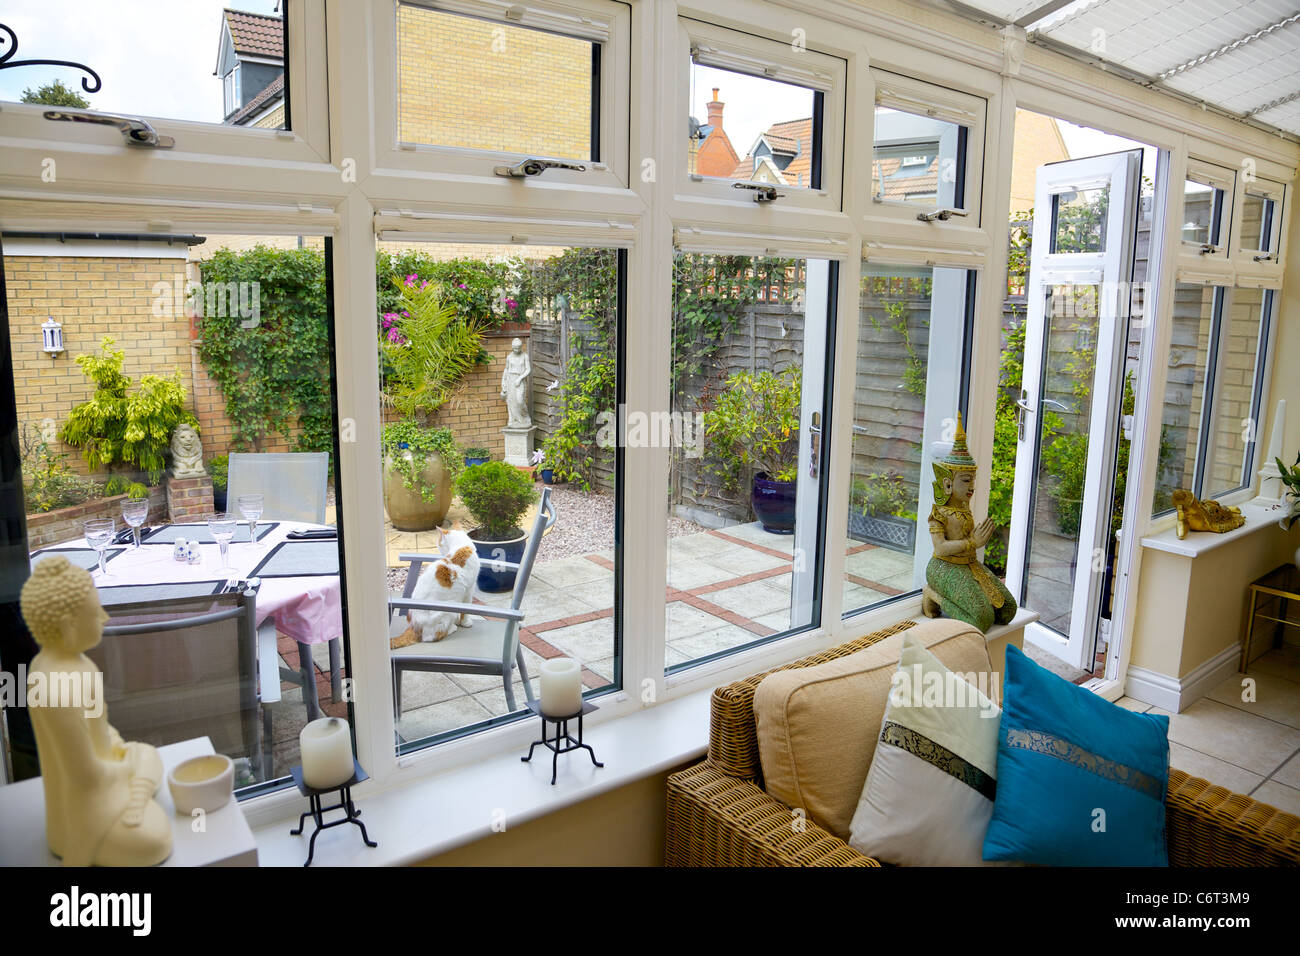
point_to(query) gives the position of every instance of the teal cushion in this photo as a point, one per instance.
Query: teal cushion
(1081, 781)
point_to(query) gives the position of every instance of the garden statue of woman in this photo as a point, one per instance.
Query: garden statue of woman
(956, 583)
(99, 806)
(514, 386)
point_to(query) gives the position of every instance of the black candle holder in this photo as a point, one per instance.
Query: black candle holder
(317, 812)
(562, 742)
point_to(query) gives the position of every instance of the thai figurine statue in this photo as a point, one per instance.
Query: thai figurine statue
(99, 806)
(956, 583)
(1207, 515)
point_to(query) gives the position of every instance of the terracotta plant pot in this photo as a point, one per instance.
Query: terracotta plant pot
(407, 509)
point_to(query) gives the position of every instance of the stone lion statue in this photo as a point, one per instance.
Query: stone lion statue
(187, 452)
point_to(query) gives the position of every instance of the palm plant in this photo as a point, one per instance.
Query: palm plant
(427, 349)
(1291, 478)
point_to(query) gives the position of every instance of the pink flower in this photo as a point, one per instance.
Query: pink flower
(511, 304)
(461, 285)
(410, 280)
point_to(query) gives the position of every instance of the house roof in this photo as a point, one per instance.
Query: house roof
(274, 91)
(788, 138)
(255, 34)
(924, 183)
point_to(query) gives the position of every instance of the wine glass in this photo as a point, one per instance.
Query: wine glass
(99, 535)
(222, 526)
(134, 514)
(250, 506)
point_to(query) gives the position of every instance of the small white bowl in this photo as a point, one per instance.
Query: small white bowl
(202, 783)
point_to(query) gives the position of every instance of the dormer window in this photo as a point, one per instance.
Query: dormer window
(231, 81)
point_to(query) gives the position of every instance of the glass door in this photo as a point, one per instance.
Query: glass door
(1070, 402)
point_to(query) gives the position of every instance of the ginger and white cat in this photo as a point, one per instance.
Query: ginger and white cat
(449, 579)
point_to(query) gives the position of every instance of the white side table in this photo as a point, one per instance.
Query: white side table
(226, 841)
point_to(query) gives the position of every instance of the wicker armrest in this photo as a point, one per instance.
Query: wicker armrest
(718, 820)
(1207, 825)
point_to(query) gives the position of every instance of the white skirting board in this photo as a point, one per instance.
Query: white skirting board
(1175, 694)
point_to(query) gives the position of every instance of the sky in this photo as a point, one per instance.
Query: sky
(155, 57)
(752, 104)
(1083, 141)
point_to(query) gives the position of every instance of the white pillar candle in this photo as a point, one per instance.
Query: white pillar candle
(326, 748)
(561, 687)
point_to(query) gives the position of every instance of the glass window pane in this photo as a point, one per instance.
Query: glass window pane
(1202, 213)
(911, 335)
(498, 378)
(225, 347)
(246, 88)
(1257, 223)
(1079, 220)
(917, 159)
(768, 135)
(742, 512)
(1234, 394)
(1180, 430)
(479, 84)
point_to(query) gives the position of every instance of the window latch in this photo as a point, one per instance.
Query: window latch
(136, 132)
(942, 214)
(535, 167)
(1264, 257)
(762, 191)
(1208, 250)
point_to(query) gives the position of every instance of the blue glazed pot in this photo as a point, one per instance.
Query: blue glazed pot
(548, 476)
(773, 503)
(476, 461)
(494, 582)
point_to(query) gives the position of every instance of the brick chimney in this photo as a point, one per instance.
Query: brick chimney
(715, 110)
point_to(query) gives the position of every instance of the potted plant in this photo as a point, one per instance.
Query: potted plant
(219, 469)
(753, 426)
(477, 456)
(419, 466)
(497, 495)
(880, 511)
(547, 473)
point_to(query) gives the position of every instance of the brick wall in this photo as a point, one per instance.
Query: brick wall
(65, 524)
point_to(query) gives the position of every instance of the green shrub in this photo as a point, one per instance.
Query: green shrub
(421, 442)
(426, 349)
(219, 469)
(118, 427)
(50, 482)
(497, 495)
(882, 493)
(754, 426)
(478, 291)
(122, 485)
(477, 453)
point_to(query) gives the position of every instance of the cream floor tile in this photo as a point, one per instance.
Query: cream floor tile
(754, 532)
(752, 599)
(441, 717)
(1280, 662)
(740, 560)
(421, 689)
(685, 573)
(700, 546)
(683, 621)
(1244, 739)
(564, 572)
(1129, 703)
(1289, 773)
(1213, 769)
(711, 642)
(589, 641)
(596, 595)
(1286, 799)
(1275, 697)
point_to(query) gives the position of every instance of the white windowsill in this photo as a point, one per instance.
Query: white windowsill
(414, 821)
(1198, 542)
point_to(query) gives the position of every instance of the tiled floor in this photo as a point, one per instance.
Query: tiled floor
(1251, 746)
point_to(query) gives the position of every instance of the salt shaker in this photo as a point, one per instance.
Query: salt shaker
(178, 550)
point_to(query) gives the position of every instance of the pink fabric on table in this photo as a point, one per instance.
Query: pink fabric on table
(309, 609)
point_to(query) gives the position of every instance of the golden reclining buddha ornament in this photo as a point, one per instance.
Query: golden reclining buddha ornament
(1207, 515)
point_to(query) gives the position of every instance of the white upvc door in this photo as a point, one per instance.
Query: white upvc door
(812, 446)
(1078, 302)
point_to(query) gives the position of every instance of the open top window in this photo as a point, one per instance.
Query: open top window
(1260, 221)
(1207, 197)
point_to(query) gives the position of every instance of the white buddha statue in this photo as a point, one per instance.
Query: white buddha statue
(99, 806)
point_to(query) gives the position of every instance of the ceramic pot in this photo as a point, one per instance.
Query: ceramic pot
(407, 509)
(201, 783)
(773, 503)
(494, 582)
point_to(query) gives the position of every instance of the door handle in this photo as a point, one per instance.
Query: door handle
(815, 443)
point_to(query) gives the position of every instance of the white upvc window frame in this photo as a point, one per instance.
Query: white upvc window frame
(710, 44)
(1216, 177)
(206, 154)
(471, 170)
(1263, 262)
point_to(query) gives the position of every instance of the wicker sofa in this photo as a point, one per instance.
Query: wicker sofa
(719, 814)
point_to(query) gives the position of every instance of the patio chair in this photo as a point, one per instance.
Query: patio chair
(292, 484)
(179, 665)
(489, 647)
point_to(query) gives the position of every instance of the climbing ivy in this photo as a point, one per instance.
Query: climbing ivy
(274, 373)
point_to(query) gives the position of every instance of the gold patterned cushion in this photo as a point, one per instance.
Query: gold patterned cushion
(817, 726)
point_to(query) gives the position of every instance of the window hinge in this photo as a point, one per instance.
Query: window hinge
(136, 132)
(762, 191)
(535, 167)
(943, 214)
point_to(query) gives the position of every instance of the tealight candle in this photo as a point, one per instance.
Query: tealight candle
(561, 687)
(326, 748)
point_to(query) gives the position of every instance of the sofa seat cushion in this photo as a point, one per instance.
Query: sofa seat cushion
(818, 726)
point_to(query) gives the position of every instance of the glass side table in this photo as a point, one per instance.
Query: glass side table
(1271, 600)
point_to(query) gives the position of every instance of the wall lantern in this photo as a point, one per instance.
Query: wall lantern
(53, 334)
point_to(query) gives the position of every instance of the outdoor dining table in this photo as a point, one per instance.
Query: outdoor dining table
(306, 606)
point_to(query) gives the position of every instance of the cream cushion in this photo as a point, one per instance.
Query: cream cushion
(817, 726)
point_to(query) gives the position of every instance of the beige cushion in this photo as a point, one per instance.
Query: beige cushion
(817, 726)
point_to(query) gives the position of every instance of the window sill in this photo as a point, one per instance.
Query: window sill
(423, 818)
(1198, 542)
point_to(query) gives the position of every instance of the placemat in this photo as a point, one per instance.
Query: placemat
(86, 558)
(131, 593)
(296, 559)
(168, 534)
